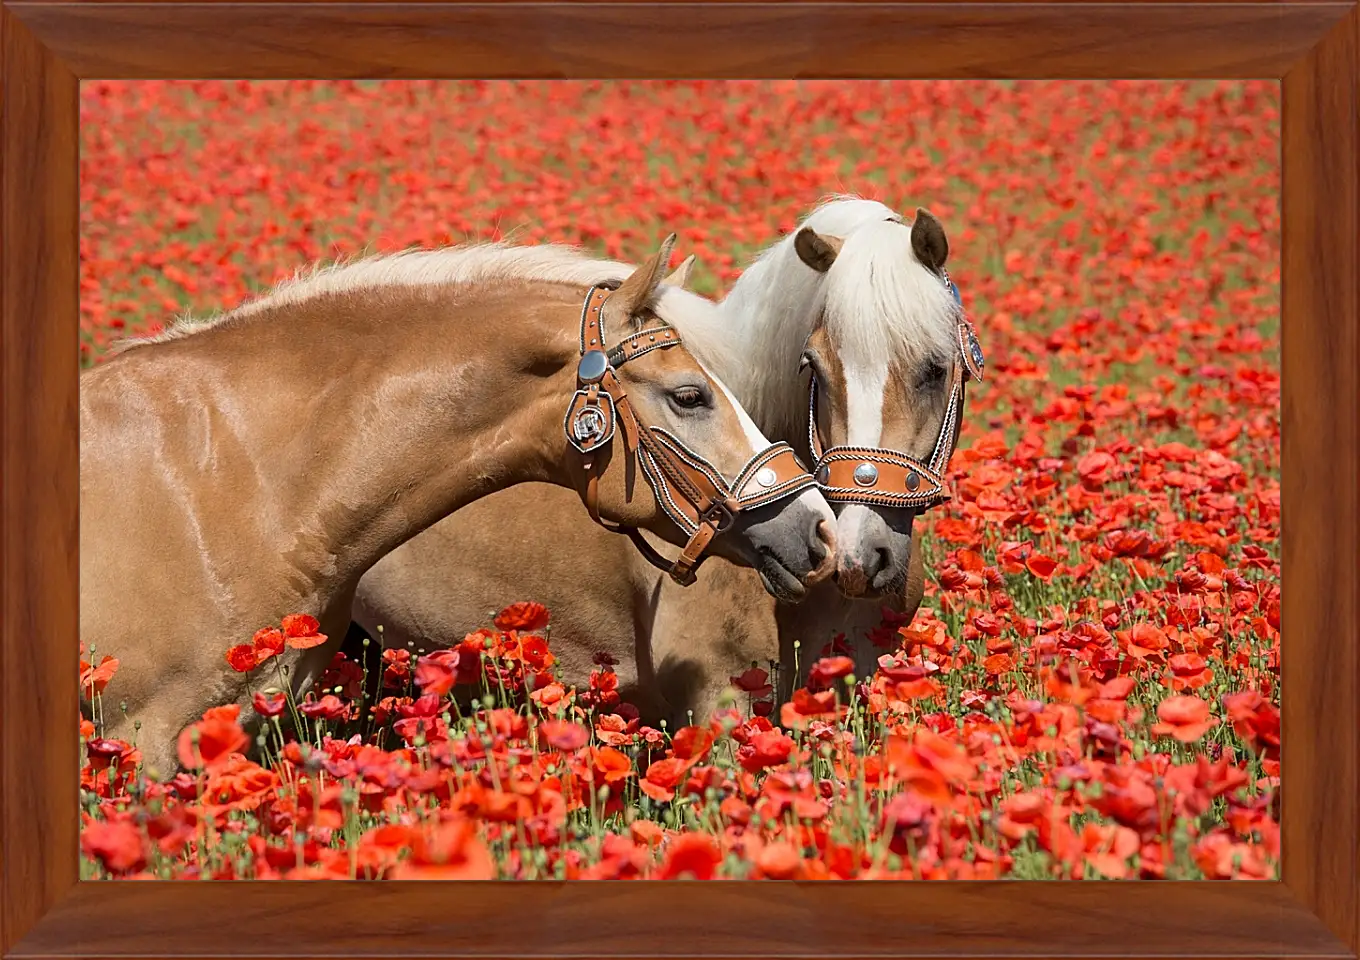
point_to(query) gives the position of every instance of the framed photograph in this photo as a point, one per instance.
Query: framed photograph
(863, 445)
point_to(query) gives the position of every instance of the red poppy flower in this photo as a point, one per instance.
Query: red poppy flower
(754, 681)
(301, 631)
(662, 777)
(1189, 671)
(564, 735)
(212, 740)
(780, 860)
(829, 669)
(93, 680)
(269, 704)
(1183, 717)
(437, 673)
(450, 851)
(329, 707)
(610, 765)
(241, 658)
(690, 856)
(102, 751)
(766, 749)
(1108, 847)
(1095, 468)
(267, 642)
(525, 616)
(692, 743)
(119, 846)
(1041, 566)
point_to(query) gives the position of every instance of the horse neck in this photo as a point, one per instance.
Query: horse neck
(823, 614)
(771, 311)
(388, 412)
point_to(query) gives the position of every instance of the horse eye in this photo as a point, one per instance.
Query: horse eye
(933, 373)
(689, 398)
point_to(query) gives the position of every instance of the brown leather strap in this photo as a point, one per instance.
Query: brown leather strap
(880, 478)
(592, 318)
(693, 555)
(696, 481)
(632, 427)
(876, 476)
(769, 476)
(592, 496)
(691, 491)
(653, 556)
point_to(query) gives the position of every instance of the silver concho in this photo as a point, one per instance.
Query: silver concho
(766, 477)
(866, 474)
(823, 474)
(913, 481)
(588, 425)
(592, 366)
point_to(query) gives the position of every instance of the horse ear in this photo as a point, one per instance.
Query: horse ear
(639, 291)
(817, 250)
(928, 241)
(680, 275)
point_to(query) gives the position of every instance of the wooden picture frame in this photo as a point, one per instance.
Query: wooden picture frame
(1314, 48)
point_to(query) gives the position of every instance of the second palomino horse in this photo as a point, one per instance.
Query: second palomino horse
(258, 464)
(861, 302)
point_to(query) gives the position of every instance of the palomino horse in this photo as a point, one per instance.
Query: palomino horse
(860, 301)
(258, 464)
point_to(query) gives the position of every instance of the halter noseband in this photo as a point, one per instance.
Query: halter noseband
(878, 477)
(691, 491)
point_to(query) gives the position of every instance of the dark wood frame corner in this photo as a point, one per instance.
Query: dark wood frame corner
(1314, 48)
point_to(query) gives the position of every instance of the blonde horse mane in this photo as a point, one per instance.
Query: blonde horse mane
(475, 263)
(877, 298)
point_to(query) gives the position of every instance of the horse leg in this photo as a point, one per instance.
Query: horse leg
(708, 633)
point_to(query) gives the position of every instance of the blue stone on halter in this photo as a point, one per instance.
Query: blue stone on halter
(766, 477)
(866, 474)
(958, 297)
(913, 481)
(976, 349)
(592, 366)
(823, 474)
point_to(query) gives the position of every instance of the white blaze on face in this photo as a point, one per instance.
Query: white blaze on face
(757, 441)
(864, 387)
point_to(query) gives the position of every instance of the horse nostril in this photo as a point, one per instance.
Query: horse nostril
(878, 560)
(824, 537)
(822, 549)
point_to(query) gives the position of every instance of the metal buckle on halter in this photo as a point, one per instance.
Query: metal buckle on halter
(719, 515)
(684, 578)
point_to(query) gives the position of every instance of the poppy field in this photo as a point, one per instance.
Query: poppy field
(1091, 687)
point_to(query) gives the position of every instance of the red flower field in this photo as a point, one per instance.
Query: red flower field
(1091, 688)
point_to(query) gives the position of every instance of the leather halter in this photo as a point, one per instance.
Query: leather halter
(689, 489)
(878, 477)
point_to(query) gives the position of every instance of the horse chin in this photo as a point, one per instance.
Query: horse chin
(780, 582)
(853, 585)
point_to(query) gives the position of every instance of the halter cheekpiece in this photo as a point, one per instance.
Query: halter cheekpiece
(875, 476)
(689, 489)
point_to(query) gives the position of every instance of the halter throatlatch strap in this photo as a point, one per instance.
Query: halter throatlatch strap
(689, 489)
(878, 477)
